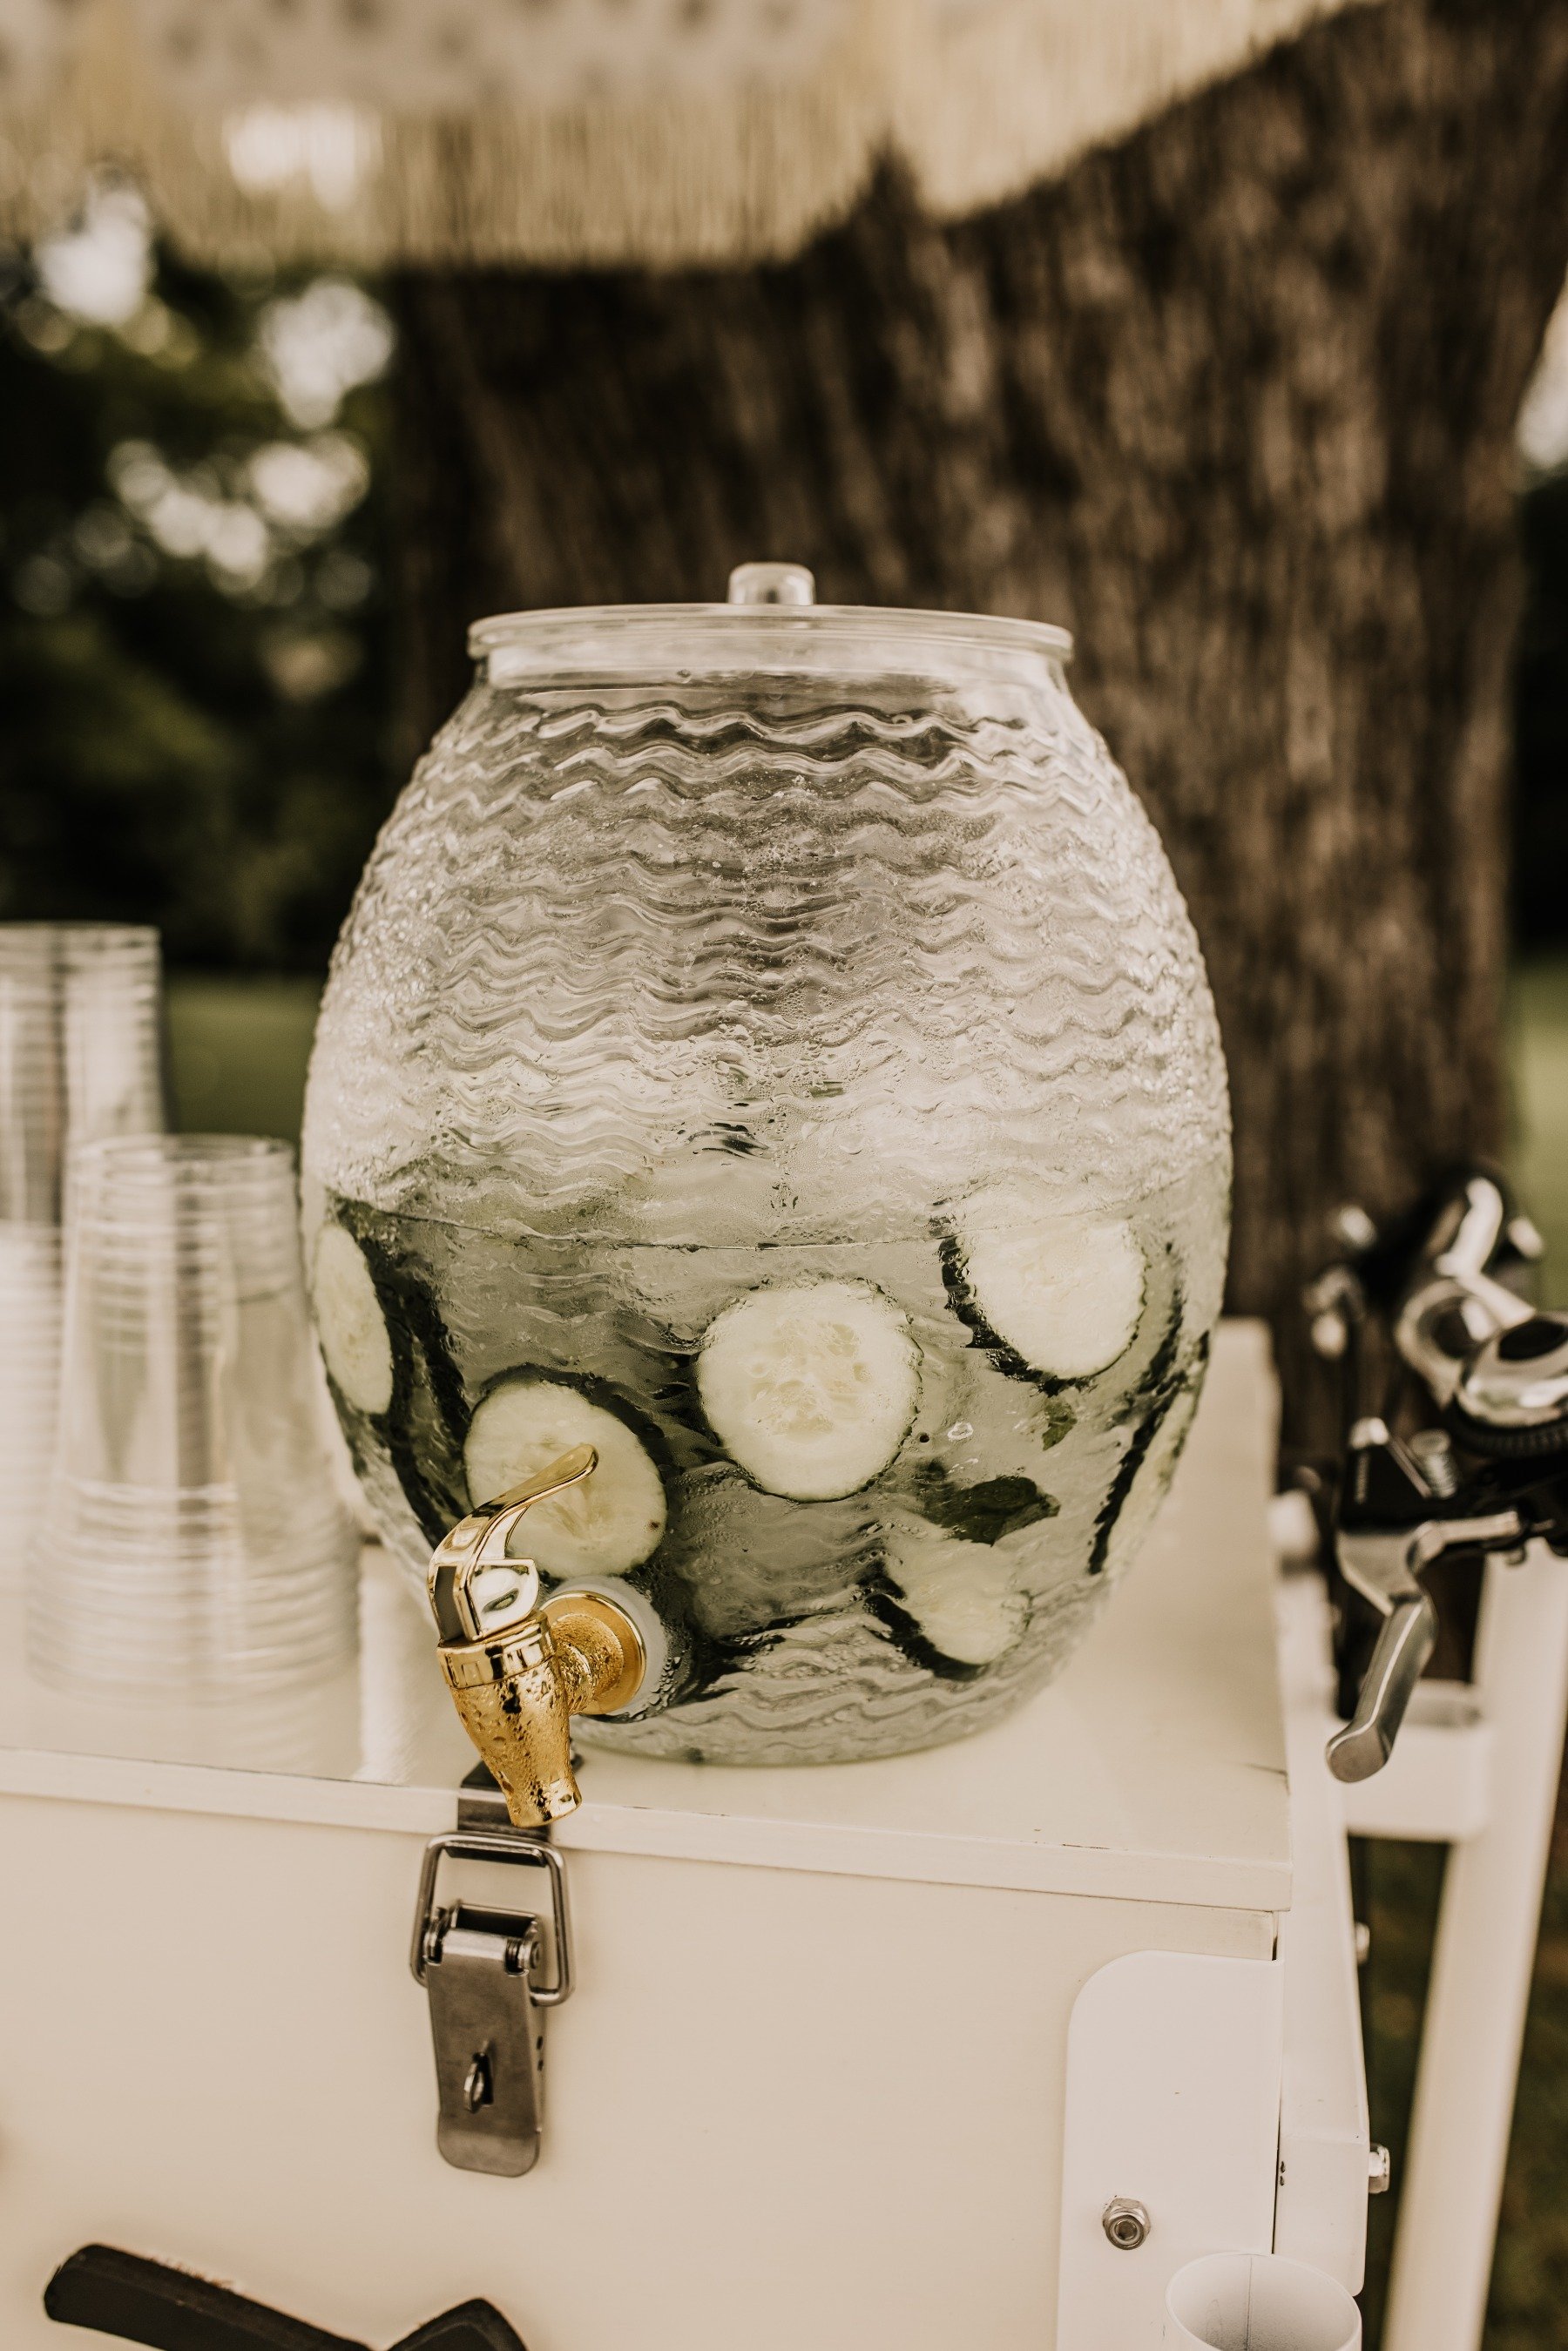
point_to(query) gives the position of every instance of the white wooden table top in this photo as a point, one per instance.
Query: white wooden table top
(1153, 1769)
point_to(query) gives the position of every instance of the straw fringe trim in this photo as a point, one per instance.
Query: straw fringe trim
(977, 103)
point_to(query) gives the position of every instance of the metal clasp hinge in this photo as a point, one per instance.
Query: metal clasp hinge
(491, 1975)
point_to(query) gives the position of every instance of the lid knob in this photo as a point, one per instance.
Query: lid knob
(771, 583)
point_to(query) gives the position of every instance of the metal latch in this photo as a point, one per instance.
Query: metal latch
(491, 1975)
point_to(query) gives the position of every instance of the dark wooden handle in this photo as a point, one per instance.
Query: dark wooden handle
(471, 2326)
(147, 2301)
(141, 2300)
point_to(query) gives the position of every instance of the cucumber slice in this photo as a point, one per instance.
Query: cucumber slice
(424, 1428)
(1061, 1293)
(811, 1386)
(389, 1363)
(960, 1596)
(613, 1521)
(1144, 1478)
(352, 1329)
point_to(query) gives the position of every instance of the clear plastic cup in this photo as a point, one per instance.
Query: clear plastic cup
(81, 1051)
(194, 1543)
(80, 1057)
(29, 1376)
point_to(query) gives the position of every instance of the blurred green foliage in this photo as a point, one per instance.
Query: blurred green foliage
(194, 685)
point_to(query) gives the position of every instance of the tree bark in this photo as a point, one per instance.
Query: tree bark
(1233, 400)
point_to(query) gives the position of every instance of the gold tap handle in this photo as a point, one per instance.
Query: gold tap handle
(479, 1542)
(569, 1470)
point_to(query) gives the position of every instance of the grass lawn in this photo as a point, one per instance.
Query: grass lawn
(1538, 1057)
(239, 1050)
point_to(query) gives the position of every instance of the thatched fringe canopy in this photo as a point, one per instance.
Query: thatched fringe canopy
(661, 131)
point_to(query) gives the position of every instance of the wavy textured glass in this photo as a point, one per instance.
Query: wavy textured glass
(716, 950)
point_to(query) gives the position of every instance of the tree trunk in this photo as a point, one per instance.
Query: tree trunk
(1235, 402)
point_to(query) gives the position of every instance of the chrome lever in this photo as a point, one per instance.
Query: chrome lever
(1384, 1562)
(1408, 1637)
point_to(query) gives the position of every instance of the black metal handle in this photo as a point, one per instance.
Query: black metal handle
(141, 2300)
(147, 2301)
(471, 2326)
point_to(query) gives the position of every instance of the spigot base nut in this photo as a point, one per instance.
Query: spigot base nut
(604, 1646)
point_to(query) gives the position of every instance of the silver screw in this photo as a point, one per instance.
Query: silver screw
(1433, 1452)
(1125, 2222)
(1378, 2170)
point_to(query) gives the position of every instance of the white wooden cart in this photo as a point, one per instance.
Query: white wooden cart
(972, 2047)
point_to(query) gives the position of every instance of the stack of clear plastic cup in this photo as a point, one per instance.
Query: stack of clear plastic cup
(111, 1033)
(29, 1383)
(194, 1545)
(80, 1056)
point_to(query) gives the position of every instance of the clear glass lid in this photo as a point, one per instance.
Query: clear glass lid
(770, 622)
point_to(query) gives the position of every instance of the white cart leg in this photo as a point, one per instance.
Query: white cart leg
(1481, 1969)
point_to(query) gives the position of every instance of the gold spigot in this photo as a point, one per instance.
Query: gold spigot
(517, 1669)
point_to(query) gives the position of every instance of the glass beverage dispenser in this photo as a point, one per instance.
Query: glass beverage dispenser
(769, 1051)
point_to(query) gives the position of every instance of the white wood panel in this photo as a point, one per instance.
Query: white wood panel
(783, 2109)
